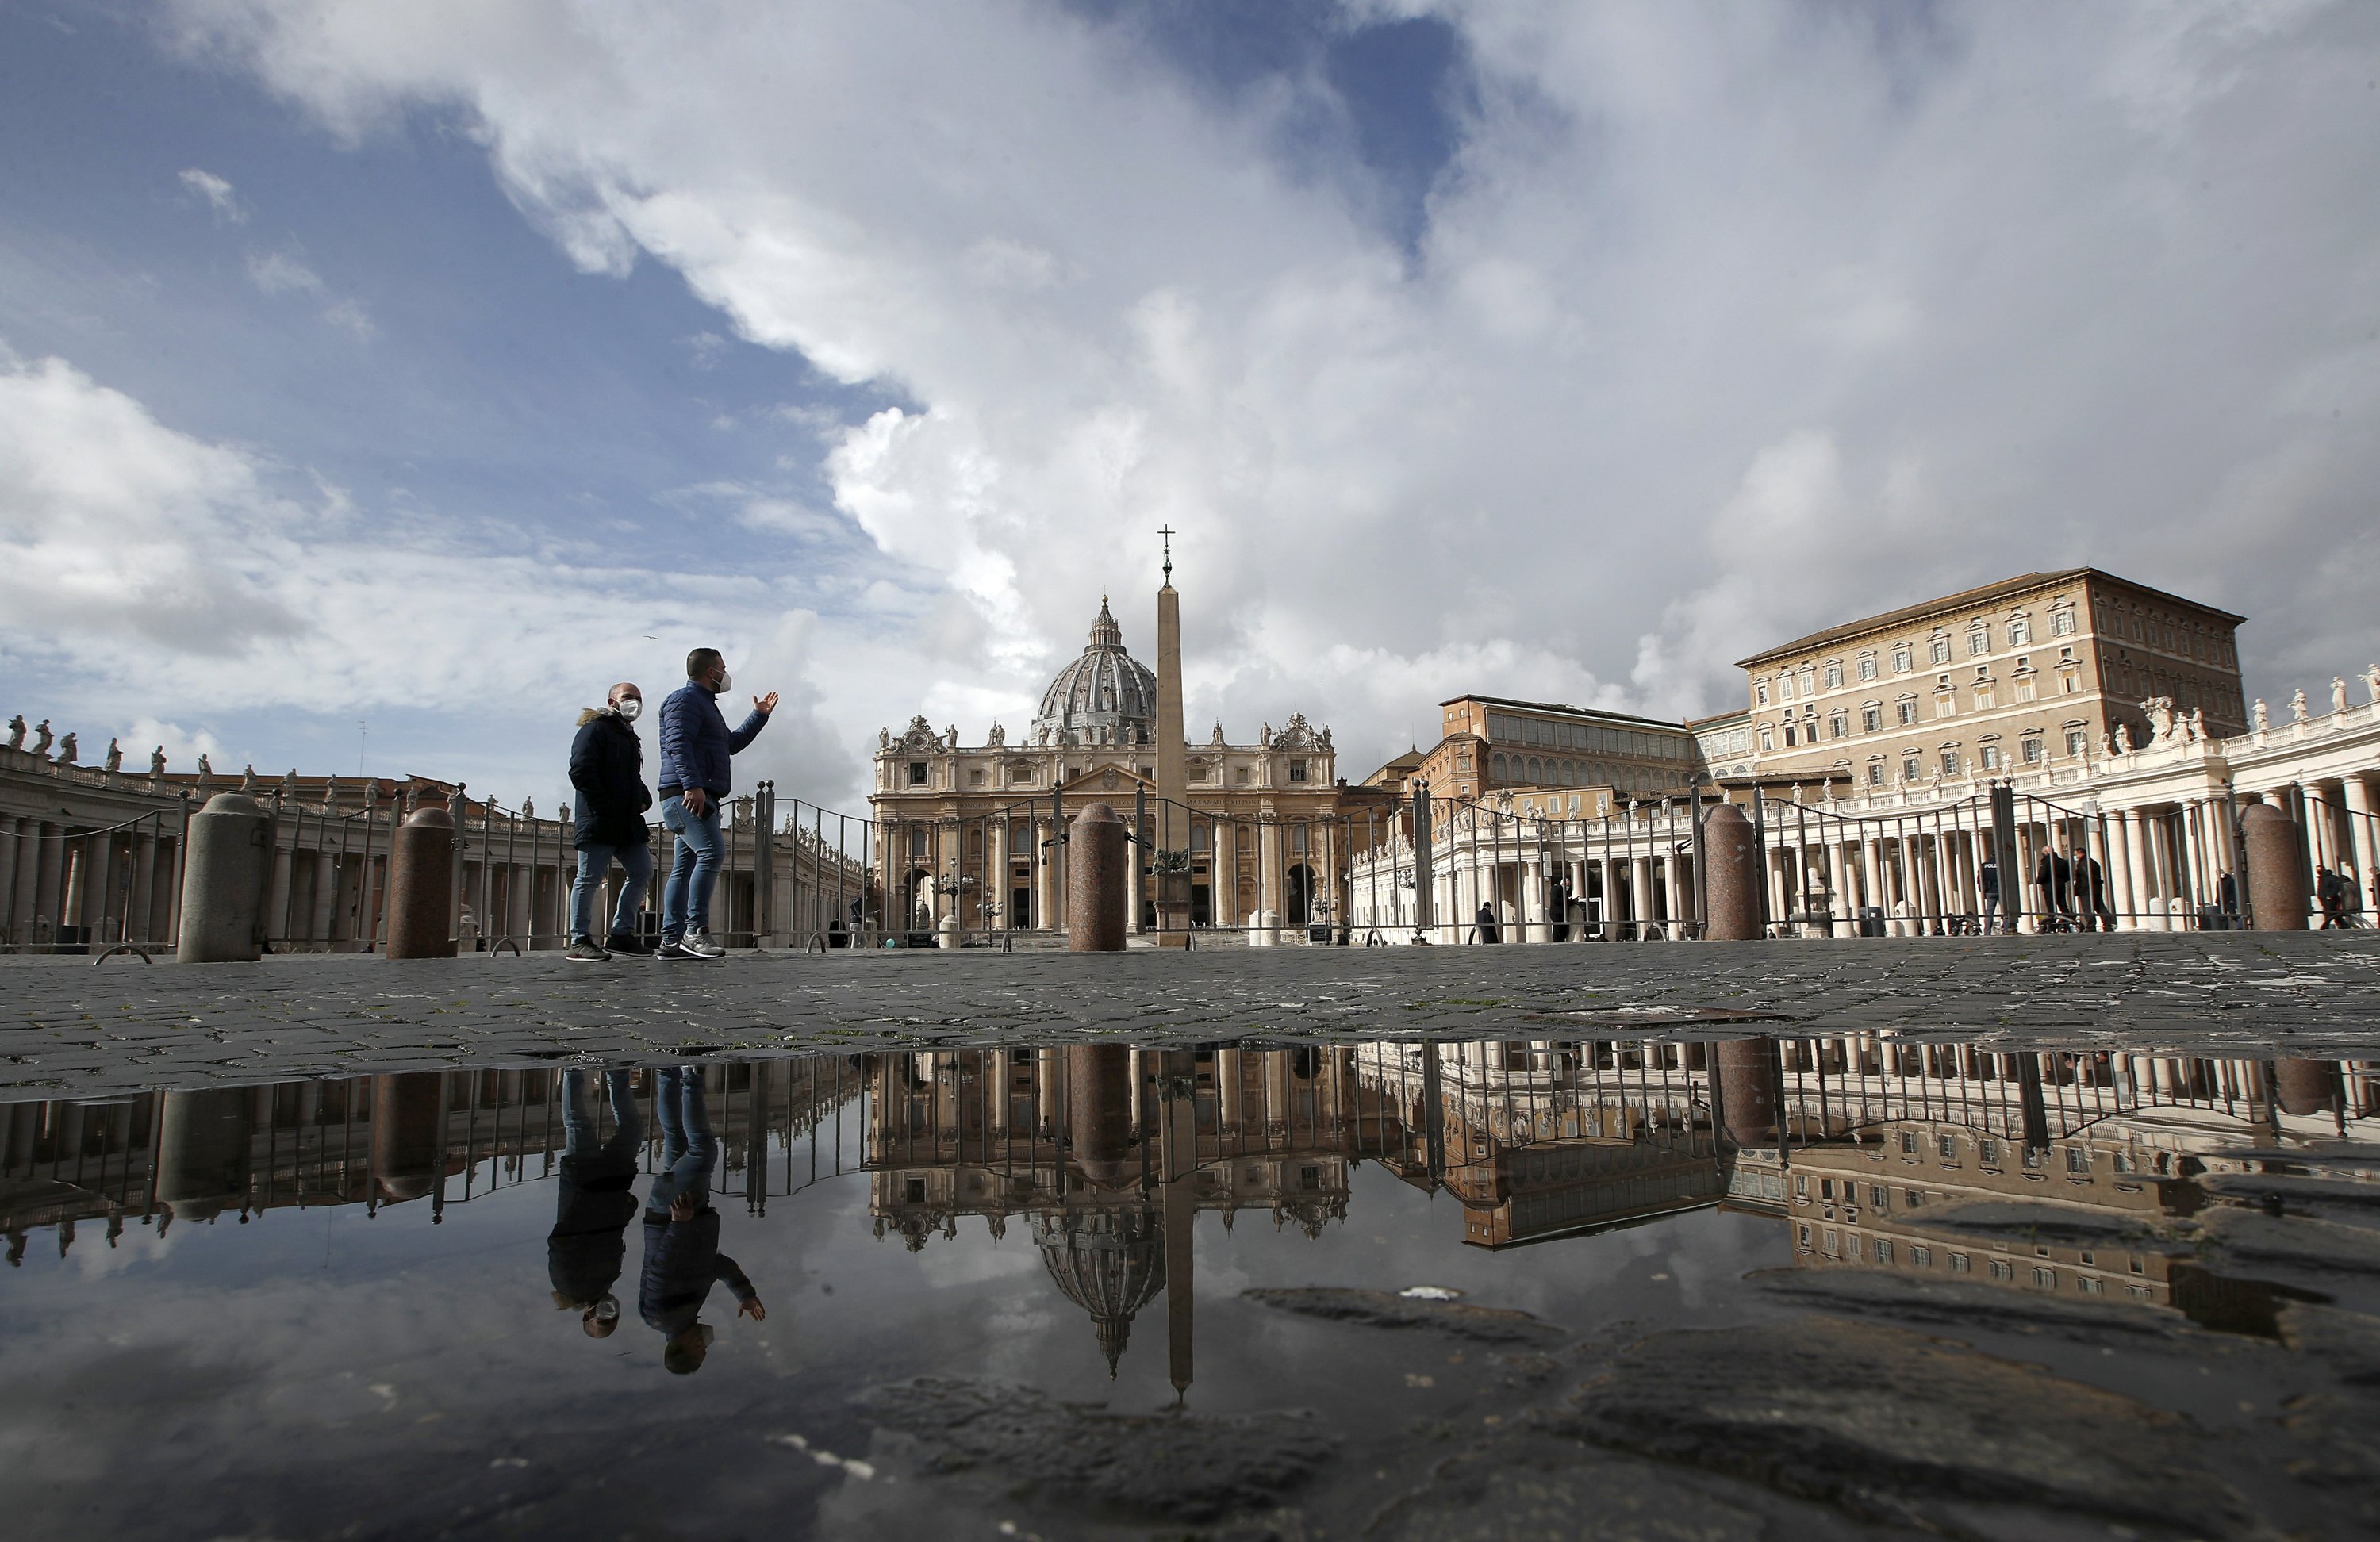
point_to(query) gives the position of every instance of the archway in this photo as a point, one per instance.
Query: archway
(1299, 896)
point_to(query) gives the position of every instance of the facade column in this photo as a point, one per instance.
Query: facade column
(1872, 872)
(50, 886)
(144, 880)
(1045, 870)
(1640, 893)
(996, 881)
(2360, 837)
(1671, 890)
(1269, 868)
(1229, 1089)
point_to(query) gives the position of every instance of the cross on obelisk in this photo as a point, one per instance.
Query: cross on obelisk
(1169, 532)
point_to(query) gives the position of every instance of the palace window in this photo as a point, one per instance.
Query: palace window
(2020, 632)
(1876, 773)
(1809, 681)
(2061, 624)
(1921, 1257)
(1960, 1264)
(1871, 717)
(1760, 692)
(1839, 725)
(2076, 1159)
(2075, 742)
(917, 773)
(1940, 650)
(1789, 735)
(916, 840)
(1945, 705)
(1835, 675)
(1979, 642)
(1903, 660)
(1462, 760)
(2024, 687)
(2002, 1269)
(1909, 768)
(1983, 696)
(1867, 666)
(1950, 763)
(1785, 687)
(1991, 756)
(1768, 739)
(1240, 775)
(1906, 710)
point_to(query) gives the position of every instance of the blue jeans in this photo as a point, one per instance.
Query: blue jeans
(688, 1149)
(685, 899)
(580, 1133)
(636, 861)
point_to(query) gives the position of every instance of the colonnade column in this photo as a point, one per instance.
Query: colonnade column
(1045, 874)
(2357, 794)
(1268, 867)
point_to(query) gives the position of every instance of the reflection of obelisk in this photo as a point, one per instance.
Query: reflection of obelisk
(1172, 823)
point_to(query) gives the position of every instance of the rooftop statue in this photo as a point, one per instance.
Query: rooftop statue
(69, 752)
(115, 756)
(16, 731)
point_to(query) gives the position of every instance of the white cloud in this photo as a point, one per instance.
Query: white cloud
(1726, 323)
(218, 193)
(278, 272)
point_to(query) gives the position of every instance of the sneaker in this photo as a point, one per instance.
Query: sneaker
(671, 948)
(584, 951)
(698, 944)
(629, 943)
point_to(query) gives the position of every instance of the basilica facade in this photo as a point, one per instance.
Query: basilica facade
(966, 832)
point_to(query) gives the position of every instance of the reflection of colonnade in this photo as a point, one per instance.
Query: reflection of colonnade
(446, 1136)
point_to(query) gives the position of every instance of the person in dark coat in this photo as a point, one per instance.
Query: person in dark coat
(2054, 876)
(1486, 919)
(696, 747)
(681, 1256)
(2330, 891)
(584, 1251)
(2091, 893)
(607, 769)
(2227, 898)
(1987, 880)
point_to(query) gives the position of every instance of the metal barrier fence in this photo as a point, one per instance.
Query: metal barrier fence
(113, 888)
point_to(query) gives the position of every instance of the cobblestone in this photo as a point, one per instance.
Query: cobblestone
(69, 1028)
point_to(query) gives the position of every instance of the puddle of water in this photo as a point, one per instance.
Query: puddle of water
(1376, 1288)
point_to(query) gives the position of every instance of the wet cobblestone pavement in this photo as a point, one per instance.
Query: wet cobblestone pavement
(128, 1026)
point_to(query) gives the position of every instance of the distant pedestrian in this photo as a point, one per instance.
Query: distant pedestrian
(607, 768)
(2091, 893)
(596, 1201)
(695, 744)
(2054, 876)
(2227, 900)
(681, 1256)
(1987, 878)
(1486, 919)
(2330, 890)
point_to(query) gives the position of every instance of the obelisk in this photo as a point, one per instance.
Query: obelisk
(1172, 823)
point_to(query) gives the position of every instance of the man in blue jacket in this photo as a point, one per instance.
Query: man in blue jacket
(695, 744)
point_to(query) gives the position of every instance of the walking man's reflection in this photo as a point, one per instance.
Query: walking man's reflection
(585, 1249)
(681, 1256)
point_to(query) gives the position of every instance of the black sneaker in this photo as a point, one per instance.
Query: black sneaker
(584, 951)
(628, 942)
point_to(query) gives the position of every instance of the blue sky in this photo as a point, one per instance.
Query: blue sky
(428, 367)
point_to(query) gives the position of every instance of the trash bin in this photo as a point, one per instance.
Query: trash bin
(1871, 920)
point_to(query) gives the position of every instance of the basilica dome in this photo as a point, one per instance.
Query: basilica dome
(1104, 696)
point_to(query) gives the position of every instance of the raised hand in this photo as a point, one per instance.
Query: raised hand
(764, 705)
(752, 1309)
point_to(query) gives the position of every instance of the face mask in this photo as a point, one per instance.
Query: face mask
(726, 684)
(628, 708)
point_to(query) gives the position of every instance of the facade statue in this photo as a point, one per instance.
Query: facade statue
(2161, 719)
(997, 738)
(741, 804)
(884, 739)
(2196, 726)
(2338, 694)
(115, 756)
(2123, 738)
(2297, 705)
(528, 808)
(289, 786)
(16, 731)
(247, 779)
(42, 739)
(157, 761)
(69, 752)
(2260, 716)
(206, 768)
(2372, 684)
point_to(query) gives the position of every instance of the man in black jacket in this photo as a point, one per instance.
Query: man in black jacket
(595, 1200)
(607, 767)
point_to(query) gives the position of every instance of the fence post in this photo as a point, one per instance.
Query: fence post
(226, 860)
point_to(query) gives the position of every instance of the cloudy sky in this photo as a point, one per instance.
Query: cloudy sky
(378, 382)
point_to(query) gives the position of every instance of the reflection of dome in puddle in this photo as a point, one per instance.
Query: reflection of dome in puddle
(1111, 1263)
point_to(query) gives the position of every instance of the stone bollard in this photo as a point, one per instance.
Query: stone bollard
(1747, 1090)
(1097, 858)
(204, 1141)
(224, 879)
(1732, 872)
(1098, 1112)
(2306, 1086)
(2276, 878)
(422, 886)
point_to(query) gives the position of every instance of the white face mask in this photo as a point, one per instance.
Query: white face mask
(726, 684)
(628, 707)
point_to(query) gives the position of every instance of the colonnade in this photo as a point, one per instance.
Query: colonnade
(62, 883)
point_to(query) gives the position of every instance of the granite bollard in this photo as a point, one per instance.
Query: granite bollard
(2277, 891)
(1096, 887)
(223, 880)
(422, 886)
(1731, 871)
